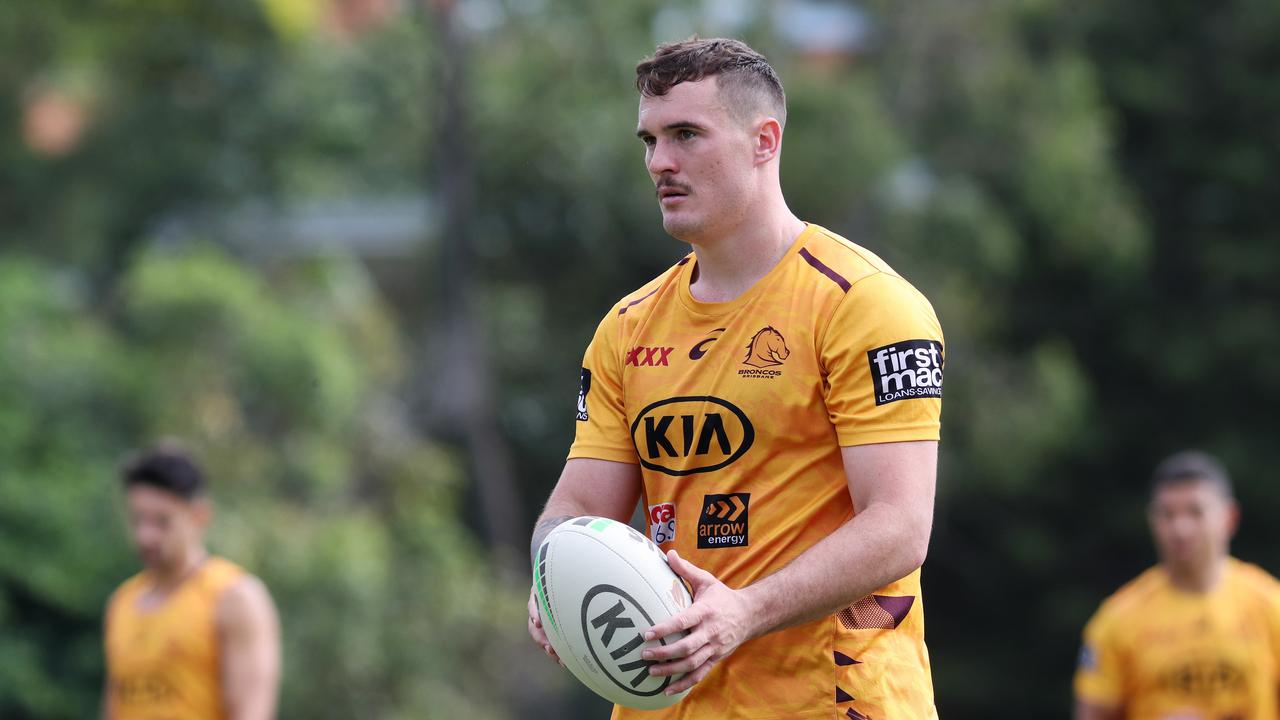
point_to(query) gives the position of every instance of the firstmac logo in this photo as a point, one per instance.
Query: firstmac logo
(906, 369)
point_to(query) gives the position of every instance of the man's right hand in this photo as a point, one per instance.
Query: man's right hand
(535, 629)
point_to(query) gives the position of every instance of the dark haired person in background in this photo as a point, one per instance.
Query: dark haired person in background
(192, 636)
(1196, 636)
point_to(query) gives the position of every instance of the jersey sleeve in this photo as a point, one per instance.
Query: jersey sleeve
(882, 352)
(602, 431)
(1099, 671)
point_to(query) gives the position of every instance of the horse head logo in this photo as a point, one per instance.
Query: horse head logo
(766, 349)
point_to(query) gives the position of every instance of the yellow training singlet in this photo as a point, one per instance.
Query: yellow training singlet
(736, 412)
(1161, 653)
(162, 663)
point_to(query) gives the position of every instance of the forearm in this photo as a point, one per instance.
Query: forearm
(588, 487)
(547, 521)
(877, 546)
(259, 706)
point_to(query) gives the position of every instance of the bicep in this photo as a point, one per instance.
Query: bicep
(249, 632)
(588, 486)
(902, 474)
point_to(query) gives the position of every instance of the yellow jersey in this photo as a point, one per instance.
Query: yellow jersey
(735, 413)
(1161, 653)
(162, 662)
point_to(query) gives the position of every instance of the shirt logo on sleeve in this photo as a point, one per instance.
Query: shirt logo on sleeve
(584, 387)
(1088, 659)
(906, 369)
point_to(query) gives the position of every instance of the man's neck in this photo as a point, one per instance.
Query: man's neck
(1198, 580)
(167, 578)
(729, 265)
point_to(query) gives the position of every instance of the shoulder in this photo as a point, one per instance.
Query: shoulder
(867, 281)
(1133, 597)
(632, 308)
(1254, 579)
(124, 592)
(637, 297)
(843, 262)
(244, 600)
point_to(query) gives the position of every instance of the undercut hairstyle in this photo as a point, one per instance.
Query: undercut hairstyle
(746, 81)
(1191, 466)
(167, 467)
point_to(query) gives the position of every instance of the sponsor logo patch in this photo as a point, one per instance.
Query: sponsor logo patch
(905, 370)
(612, 622)
(767, 349)
(692, 434)
(1088, 660)
(584, 387)
(697, 351)
(662, 522)
(645, 356)
(724, 520)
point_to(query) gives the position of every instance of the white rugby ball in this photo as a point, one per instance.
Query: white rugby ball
(600, 585)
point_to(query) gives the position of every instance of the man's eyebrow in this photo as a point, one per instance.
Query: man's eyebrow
(678, 125)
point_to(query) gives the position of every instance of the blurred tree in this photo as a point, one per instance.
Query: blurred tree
(287, 390)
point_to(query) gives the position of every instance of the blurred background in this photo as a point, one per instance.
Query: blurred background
(352, 251)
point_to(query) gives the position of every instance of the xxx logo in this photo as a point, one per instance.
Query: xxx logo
(766, 349)
(653, 356)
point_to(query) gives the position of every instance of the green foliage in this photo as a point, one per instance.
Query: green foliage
(1085, 194)
(287, 390)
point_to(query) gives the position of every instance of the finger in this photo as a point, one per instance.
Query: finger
(683, 665)
(682, 620)
(538, 634)
(687, 570)
(691, 679)
(684, 647)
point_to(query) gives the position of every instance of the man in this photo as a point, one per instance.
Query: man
(1196, 636)
(192, 636)
(774, 397)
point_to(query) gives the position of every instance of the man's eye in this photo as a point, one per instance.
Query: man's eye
(648, 140)
(686, 135)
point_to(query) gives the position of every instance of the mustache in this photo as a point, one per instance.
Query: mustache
(672, 184)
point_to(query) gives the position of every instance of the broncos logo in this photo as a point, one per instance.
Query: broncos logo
(766, 349)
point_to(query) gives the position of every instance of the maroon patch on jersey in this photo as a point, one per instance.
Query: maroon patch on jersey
(876, 612)
(821, 267)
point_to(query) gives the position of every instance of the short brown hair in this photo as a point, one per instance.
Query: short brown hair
(1191, 466)
(746, 79)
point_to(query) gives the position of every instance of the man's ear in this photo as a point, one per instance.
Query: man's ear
(202, 511)
(768, 140)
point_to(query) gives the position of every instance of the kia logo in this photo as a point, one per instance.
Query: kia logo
(695, 434)
(612, 623)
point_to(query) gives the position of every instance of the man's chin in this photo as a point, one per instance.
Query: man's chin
(680, 228)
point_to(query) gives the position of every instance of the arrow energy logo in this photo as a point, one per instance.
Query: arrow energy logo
(723, 522)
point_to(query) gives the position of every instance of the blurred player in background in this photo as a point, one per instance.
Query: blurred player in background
(775, 398)
(1198, 635)
(192, 636)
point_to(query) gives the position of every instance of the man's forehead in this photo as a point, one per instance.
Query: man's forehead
(691, 100)
(1191, 490)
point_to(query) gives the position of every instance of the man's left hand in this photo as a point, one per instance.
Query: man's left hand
(718, 621)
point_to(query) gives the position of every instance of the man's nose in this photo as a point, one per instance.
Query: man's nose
(662, 159)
